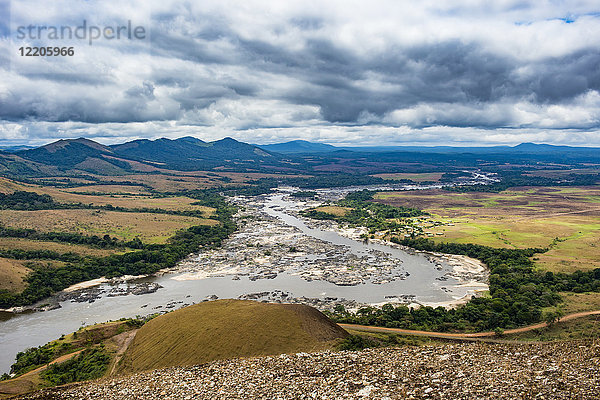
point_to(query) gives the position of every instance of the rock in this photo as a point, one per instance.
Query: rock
(566, 370)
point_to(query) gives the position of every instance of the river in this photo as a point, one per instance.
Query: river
(233, 271)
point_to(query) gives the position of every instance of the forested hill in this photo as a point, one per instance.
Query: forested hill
(185, 153)
(79, 157)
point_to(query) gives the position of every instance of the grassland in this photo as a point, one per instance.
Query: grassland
(25, 244)
(12, 273)
(150, 228)
(334, 210)
(160, 180)
(567, 220)
(109, 189)
(581, 328)
(228, 329)
(114, 196)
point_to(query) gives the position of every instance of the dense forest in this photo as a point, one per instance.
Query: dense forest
(21, 200)
(91, 363)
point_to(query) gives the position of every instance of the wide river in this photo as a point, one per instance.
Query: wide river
(20, 331)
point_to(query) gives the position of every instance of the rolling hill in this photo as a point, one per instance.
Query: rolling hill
(187, 153)
(228, 329)
(299, 146)
(77, 157)
(76, 154)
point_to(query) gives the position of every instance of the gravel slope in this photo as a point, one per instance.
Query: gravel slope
(454, 371)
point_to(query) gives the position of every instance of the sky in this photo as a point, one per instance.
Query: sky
(359, 73)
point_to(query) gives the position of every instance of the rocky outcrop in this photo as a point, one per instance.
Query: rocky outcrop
(457, 371)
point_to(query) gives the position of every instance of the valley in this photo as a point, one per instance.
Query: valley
(299, 201)
(397, 246)
(274, 256)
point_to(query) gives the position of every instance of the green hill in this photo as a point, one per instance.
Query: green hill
(228, 329)
(188, 153)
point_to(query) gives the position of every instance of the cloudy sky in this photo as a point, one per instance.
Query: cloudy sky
(371, 72)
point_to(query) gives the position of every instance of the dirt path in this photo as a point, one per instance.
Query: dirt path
(127, 338)
(463, 336)
(58, 360)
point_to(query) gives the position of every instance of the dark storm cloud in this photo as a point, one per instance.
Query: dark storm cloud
(557, 79)
(257, 66)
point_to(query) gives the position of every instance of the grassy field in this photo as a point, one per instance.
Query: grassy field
(150, 228)
(334, 210)
(582, 328)
(12, 273)
(109, 189)
(228, 329)
(129, 200)
(565, 219)
(424, 177)
(578, 302)
(25, 244)
(163, 180)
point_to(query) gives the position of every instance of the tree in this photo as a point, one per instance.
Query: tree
(552, 317)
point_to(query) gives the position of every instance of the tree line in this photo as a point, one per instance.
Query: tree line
(104, 242)
(518, 293)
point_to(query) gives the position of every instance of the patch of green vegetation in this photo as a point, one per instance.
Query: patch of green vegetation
(362, 340)
(21, 200)
(35, 357)
(518, 293)
(514, 178)
(581, 328)
(89, 364)
(304, 194)
(104, 242)
(375, 216)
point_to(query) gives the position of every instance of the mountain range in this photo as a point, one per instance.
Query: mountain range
(186, 153)
(302, 146)
(76, 156)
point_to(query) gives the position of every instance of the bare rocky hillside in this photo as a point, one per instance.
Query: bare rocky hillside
(454, 371)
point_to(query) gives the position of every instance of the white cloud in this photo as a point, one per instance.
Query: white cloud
(338, 71)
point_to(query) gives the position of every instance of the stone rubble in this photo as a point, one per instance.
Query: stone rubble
(560, 370)
(114, 288)
(322, 304)
(265, 246)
